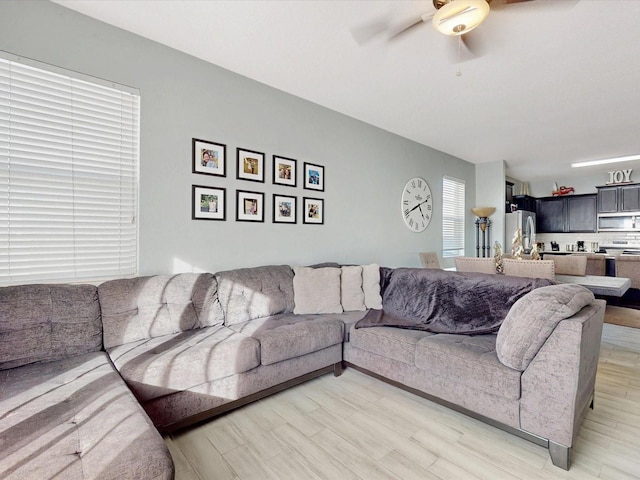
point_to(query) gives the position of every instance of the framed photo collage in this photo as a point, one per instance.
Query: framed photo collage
(210, 202)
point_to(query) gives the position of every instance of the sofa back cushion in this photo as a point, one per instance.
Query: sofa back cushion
(145, 307)
(317, 290)
(533, 318)
(371, 286)
(40, 323)
(351, 291)
(249, 293)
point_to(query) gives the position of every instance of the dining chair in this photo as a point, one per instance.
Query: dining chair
(629, 266)
(429, 260)
(568, 264)
(475, 264)
(529, 268)
(596, 264)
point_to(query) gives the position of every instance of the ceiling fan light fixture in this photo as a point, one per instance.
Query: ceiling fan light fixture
(460, 16)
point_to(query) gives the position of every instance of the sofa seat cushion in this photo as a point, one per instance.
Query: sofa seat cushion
(468, 360)
(76, 419)
(176, 362)
(348, 319)
(288, 336)
(396, 343)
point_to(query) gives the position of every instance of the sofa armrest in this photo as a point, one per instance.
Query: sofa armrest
(558, 384)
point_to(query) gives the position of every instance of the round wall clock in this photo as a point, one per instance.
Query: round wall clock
(417, 204)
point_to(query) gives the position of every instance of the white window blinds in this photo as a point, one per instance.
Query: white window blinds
(453, 191)
(68, 176)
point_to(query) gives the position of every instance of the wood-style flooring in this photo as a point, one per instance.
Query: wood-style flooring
(355, 427)
(627, 317)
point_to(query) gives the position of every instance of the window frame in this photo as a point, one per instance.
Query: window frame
(453, 217)
(80, 116)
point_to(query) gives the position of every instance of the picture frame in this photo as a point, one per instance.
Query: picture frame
(208, 203)
(285, 171)
(250, 165)
(313, 211)
(285, 208)
(249, 206)
(313, 177)
(209, 158)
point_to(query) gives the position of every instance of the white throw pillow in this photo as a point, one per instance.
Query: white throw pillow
(371, 286)
(352, 292)
(316, 290)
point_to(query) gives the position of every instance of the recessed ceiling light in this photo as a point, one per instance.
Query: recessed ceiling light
(605, 161)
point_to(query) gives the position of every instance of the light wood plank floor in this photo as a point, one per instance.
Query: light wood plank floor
(356, 427)
(627, 317)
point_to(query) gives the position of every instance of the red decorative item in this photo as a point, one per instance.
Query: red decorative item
(563, 191)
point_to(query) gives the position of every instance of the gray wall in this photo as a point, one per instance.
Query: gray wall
(183, 97)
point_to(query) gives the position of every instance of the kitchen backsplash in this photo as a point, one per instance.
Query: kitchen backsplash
(620, 240)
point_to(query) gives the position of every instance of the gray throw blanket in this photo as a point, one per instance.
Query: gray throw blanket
(439, 301)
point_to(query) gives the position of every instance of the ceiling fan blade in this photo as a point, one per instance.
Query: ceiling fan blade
(463, 48)
(403, 27)
(368, 31)
(473, 44)
(555, 3)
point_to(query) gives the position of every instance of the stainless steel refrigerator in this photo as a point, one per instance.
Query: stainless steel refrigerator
(526, 222)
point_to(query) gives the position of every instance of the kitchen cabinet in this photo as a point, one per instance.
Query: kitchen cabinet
(607, 199)
(525, 202)
(630, 198)
(569, 214)
(550, 215)
(581, 213)
(619, 198)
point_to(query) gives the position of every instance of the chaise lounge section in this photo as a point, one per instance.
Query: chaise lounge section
(65, 412)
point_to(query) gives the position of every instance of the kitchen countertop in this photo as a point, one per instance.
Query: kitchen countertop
(564, 252)
(606, 255)
(605, 286)
(620, 246)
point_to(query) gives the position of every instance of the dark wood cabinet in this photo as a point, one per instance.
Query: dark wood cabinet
(630, 198)
(525, 202)
(550, 215)
(619, 198)
(607, 199)
(581, 213)
(574, 213)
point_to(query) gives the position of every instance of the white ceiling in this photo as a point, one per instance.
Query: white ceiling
(558, 81)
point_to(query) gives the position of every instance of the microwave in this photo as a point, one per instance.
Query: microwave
(619, 222)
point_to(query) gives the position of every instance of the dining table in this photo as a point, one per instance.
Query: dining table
(599, 284)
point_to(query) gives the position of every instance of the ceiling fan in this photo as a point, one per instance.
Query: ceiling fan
(452, 17)
(457, 17)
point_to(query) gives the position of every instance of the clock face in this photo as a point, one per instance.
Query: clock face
(417, 204)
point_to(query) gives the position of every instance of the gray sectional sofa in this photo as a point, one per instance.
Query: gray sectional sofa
(86, 373)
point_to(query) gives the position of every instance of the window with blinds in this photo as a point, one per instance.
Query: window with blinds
(453, 191)
(69, 153)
